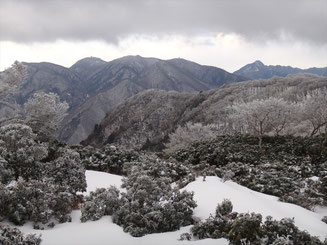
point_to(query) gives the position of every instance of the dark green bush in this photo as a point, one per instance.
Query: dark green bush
(37, 201)
(101, 202)
(283, 168)
(149, 205)
(39, 180)
(108, 158)
(245, 228)
(11, 236)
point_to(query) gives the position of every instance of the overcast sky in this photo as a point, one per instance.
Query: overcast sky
(224, 33)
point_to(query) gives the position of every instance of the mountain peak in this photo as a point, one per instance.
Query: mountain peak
(258, 63)
(88, 61)
(257, 70)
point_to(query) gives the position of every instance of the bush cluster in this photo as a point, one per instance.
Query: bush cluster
(108, 158)
(39, 180)
(149, 205)
(156, 167)
(245, 228)
(101, 202)
(292, 168)
(10, 236)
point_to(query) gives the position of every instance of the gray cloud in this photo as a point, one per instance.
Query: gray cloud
(48, 20)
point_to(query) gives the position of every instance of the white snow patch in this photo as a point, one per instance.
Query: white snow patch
(97, 179)
(314, 178)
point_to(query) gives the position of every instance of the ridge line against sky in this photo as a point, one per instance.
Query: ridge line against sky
(222, 33)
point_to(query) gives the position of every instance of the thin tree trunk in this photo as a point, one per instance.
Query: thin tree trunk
(260, 137)
(260, 144)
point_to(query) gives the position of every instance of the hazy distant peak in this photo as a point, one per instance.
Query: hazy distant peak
(257, 70)
(89, 61)
(258, 63)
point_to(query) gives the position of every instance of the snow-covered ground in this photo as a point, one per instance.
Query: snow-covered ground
(207, 194)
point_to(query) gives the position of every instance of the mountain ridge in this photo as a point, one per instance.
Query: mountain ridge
(92, 86)
(258, 70)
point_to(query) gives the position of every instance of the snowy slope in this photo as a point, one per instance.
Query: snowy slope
(207, 194)
(213, 191)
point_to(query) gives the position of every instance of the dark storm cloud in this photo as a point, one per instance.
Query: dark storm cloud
(48, 20)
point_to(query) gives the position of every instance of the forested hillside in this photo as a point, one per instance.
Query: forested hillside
(293, 105)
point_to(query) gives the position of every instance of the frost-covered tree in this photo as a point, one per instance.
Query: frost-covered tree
(260, 117)
(20, 150)
(314, 111)
(11, 79)
(185, 135)
(44, 112)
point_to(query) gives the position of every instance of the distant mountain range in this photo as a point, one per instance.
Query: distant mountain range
(257, 70)
(93, 87)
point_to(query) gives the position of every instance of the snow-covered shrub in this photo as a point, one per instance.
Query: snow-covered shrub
(225, 208)
(185, 236)
(6, 174)
(108, 158)
(217, 226)
(213, 227)
(152, 165)
(10, 236)
(39, 201)
(66, 170)
(149, 205)
(101, 202)
(283, 241)
(284, 167)
(39, 180)
(4, 201)
(272, 230)
(245, 228)
(324, 219)
(21, 151)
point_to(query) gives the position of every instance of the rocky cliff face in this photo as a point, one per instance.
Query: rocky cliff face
(257, 70)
